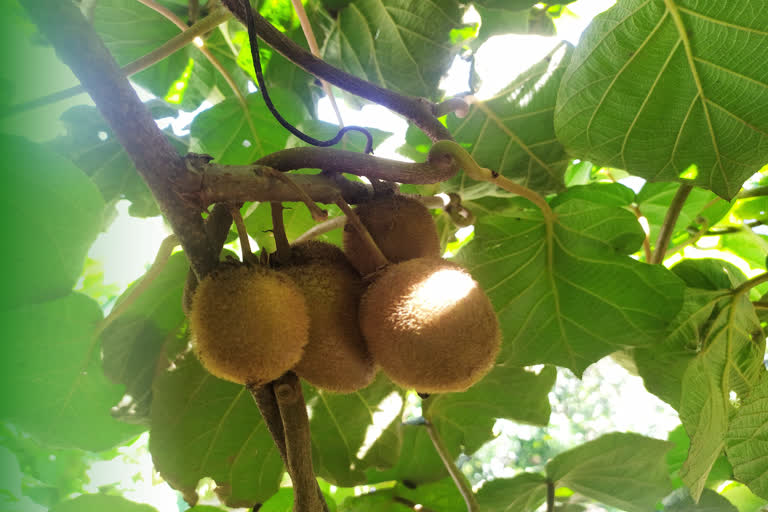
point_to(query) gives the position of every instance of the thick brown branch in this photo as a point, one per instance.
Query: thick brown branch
(418, 110)
(338, 160)
(157, 161)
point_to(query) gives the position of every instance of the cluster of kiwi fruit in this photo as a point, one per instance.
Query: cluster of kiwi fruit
(335, 317)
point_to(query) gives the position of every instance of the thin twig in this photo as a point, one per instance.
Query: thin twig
(668, 226)
(318, 215)
(282, 246)
(377, 258)
(748, 285)
(760, 304)
(216, 18)
(417, 110)
(242, 232)
(550, 496)
(306, 27)
(462, 484)
(161, 259)
(320, 229)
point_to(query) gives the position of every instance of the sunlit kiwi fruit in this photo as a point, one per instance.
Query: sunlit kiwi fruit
(336, 357)
(429, 326)
(402, 227)
(249, 323)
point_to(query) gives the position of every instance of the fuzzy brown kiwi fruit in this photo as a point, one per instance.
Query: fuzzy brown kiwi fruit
(402, 227)
(336, 357)
(249, 323)
(429, 326)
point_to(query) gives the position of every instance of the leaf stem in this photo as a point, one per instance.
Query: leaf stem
(242, 232)
(748, 285)
(462, 484)
(668, 227)
(550, 496)
(378, 260)
(320, 229)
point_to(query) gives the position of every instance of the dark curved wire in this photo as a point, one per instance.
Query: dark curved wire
(251, 27)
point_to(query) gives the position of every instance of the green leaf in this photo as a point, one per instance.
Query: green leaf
(721, 470)
(10, 476)
(297, 220)
(522, 493)
(742, 498)
(623, 470)
(654, 88)
(377, 501)
(341, 424)
(418, 462)
(91, 144)
(100, 503)
(747, 440)
(467, 418)
(609, 194)
(131, 30)
(513, 133)
(663, 365)
(133, 343)
(510, 5)
(48, 250)
(50, 361)
(206, 427)
(500, 20)
(702, 210)
(232, 136)
(730, 360)
(747, 245)
(442, 496)
(709, 274)
(568, 290)
(397, 44)
(710, 501)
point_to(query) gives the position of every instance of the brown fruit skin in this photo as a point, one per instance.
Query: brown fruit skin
(429, 326)
(249, 324)
(402, 227)
(336, 357)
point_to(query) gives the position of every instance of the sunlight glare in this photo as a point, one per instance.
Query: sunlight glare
(440, 291)
(386, 412)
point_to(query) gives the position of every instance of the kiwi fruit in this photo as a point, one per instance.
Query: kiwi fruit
(249, 323)
(402, 227)
(336, 357)
(429, 326)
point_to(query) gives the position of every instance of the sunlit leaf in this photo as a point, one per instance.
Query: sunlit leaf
(513, 133)
(747, 440)
(654, 88)
(565, 297)
(101, 502)
(710, 501)
(400, 45)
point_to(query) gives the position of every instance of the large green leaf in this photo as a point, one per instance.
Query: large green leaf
(133, 342)
(90, 143)
(701, 210)
(206, 427)
(418, 462)
(398, 44)
(233, 136)
(662, 366)
(747, 440)
(130, 30)
(624, 470)
(467, 418)
(51, 367)
(522, 493)
(730, 360)
(51, 214)
(514, 133)
(681, 501)
(341, 424)
(654, 88)
(101, 502)
(564, 296)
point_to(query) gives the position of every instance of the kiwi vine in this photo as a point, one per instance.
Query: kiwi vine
(565, 265)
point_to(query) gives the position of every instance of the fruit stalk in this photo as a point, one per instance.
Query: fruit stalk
(458, 477)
